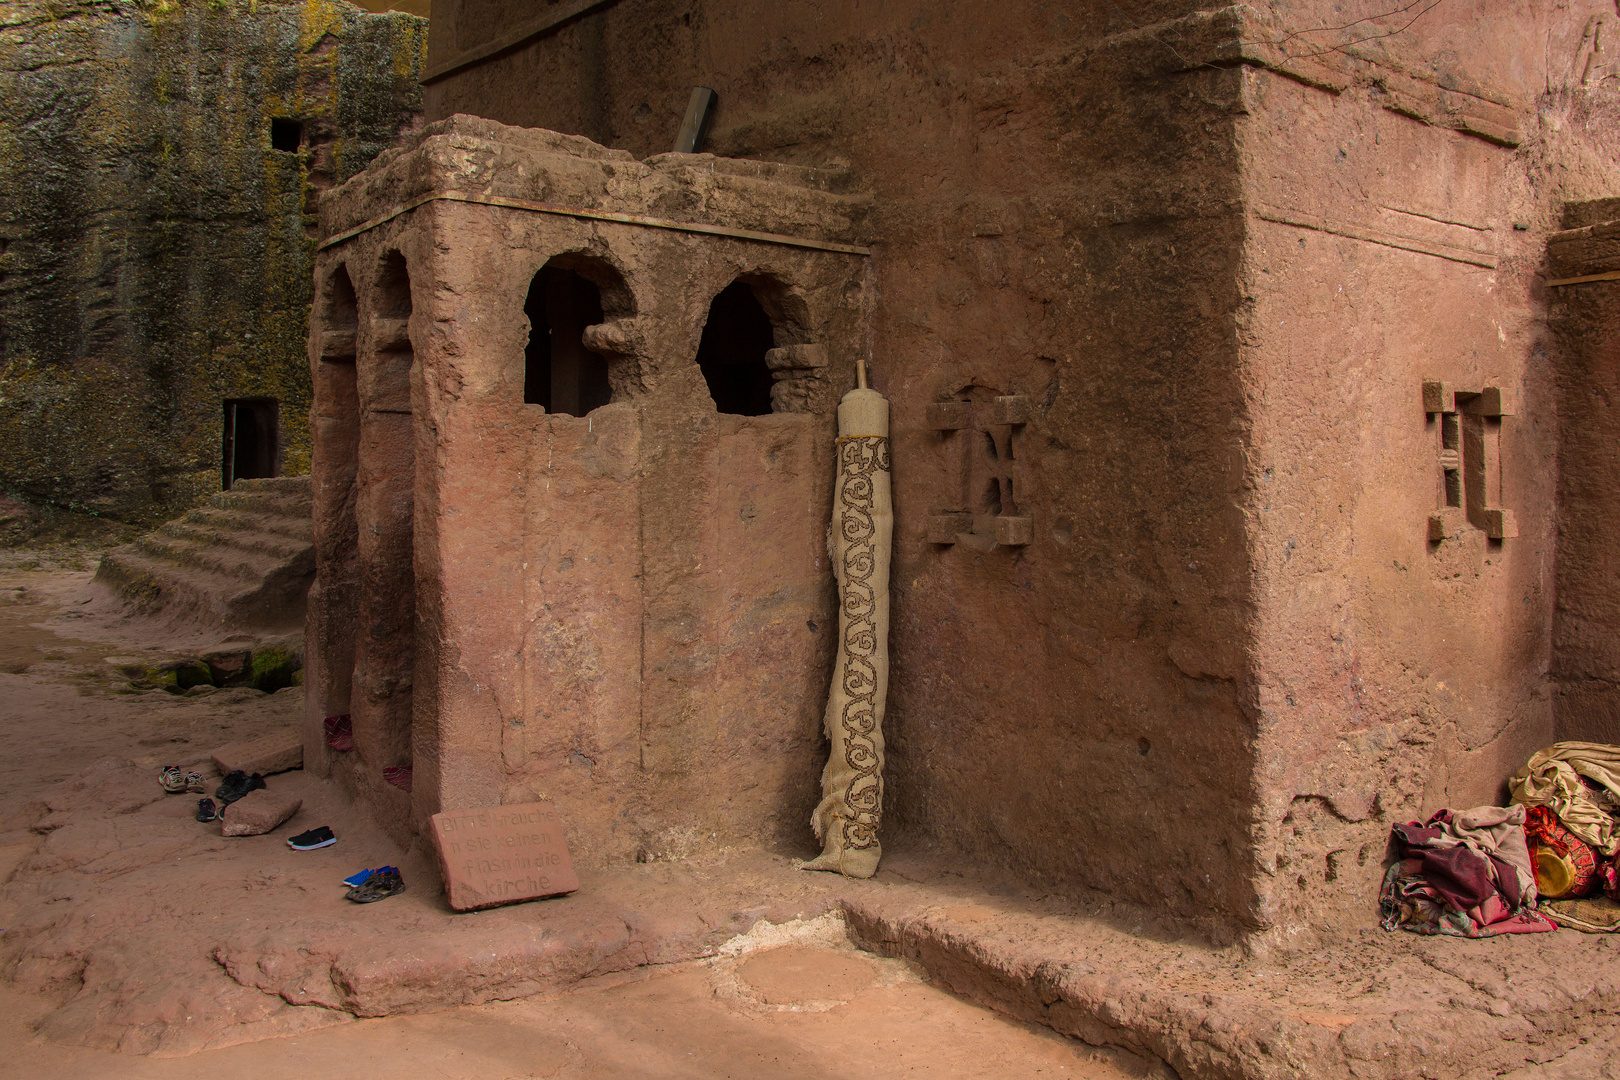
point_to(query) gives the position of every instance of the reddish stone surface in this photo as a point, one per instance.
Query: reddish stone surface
(502, 855)
(1218, 270)
(258, 812)
(629, 612)
(271, 754)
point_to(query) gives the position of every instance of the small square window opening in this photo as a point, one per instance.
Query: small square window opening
(286, 135)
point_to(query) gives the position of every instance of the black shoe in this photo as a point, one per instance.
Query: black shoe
(379, 886)
(314, 838)
(233, 788)
(237, 784)
(206, 810)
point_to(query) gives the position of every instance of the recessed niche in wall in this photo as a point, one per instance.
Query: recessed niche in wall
(559, 372)
(286, 135)
(736, 338)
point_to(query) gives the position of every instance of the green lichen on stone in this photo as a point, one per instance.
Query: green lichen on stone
(175, 676)
(275, 668)
(155, 250)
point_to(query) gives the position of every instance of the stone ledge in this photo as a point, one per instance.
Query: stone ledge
(1374, 1005)
(276, 753)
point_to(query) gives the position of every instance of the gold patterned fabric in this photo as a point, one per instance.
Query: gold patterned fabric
(847, 818)
(1552, 778)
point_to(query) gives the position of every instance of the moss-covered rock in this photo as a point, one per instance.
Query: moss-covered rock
(155, 246)
(275, 668)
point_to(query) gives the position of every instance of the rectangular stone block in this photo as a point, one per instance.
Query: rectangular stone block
(390, 334)
(1014, 531)
(272, 754)
(502, 855)
(796, 358)
(1437, 397)
(1493, 401)
(337, 344)
(257, 813)
(1011, 410)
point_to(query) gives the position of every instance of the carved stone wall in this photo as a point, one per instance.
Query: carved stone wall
(1404, 455)
(629, 612)
(1155, 296)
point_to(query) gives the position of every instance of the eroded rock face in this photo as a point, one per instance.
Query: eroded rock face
(161, 165)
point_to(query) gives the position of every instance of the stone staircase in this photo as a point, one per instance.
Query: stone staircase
(243, 562)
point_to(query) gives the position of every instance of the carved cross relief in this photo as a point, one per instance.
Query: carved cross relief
(982, 434)
(1469, 459)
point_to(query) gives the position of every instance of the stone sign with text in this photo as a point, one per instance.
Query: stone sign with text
(502, 854)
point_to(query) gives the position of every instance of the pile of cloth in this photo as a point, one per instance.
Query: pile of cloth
(1464, 873)
(1572, 794)
(1551, 858)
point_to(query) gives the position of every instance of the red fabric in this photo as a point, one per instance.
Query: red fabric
(1461, 875)
(340, 732)
(399, 776)
(1543, 829)
(1440, 885)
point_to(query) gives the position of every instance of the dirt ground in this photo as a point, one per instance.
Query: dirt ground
(135, 941)
(138, 942)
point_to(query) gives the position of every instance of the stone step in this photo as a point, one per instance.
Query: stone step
(237, 531)
(152, 585)
(296, 529)
(245, 561)
(233, 562)
(286, 496)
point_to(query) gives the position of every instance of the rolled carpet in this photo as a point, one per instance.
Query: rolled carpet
(847, 818)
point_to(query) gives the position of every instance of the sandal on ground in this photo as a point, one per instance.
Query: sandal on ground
(176, 780)
(206, 811)
(340, 732)
(312, 839)
(379, 886)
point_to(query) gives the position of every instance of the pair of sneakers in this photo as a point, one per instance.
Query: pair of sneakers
(176, 780)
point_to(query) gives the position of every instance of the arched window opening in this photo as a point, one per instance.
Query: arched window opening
(731, 354)
(342, 312)
(559, 373)
(333, 468)
(394, 288)
(385, 508)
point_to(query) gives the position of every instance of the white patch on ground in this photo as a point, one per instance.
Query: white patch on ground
(827, 932)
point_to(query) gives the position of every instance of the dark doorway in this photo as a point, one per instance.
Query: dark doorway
(732, 352)
(559, 372)
(251, 439)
